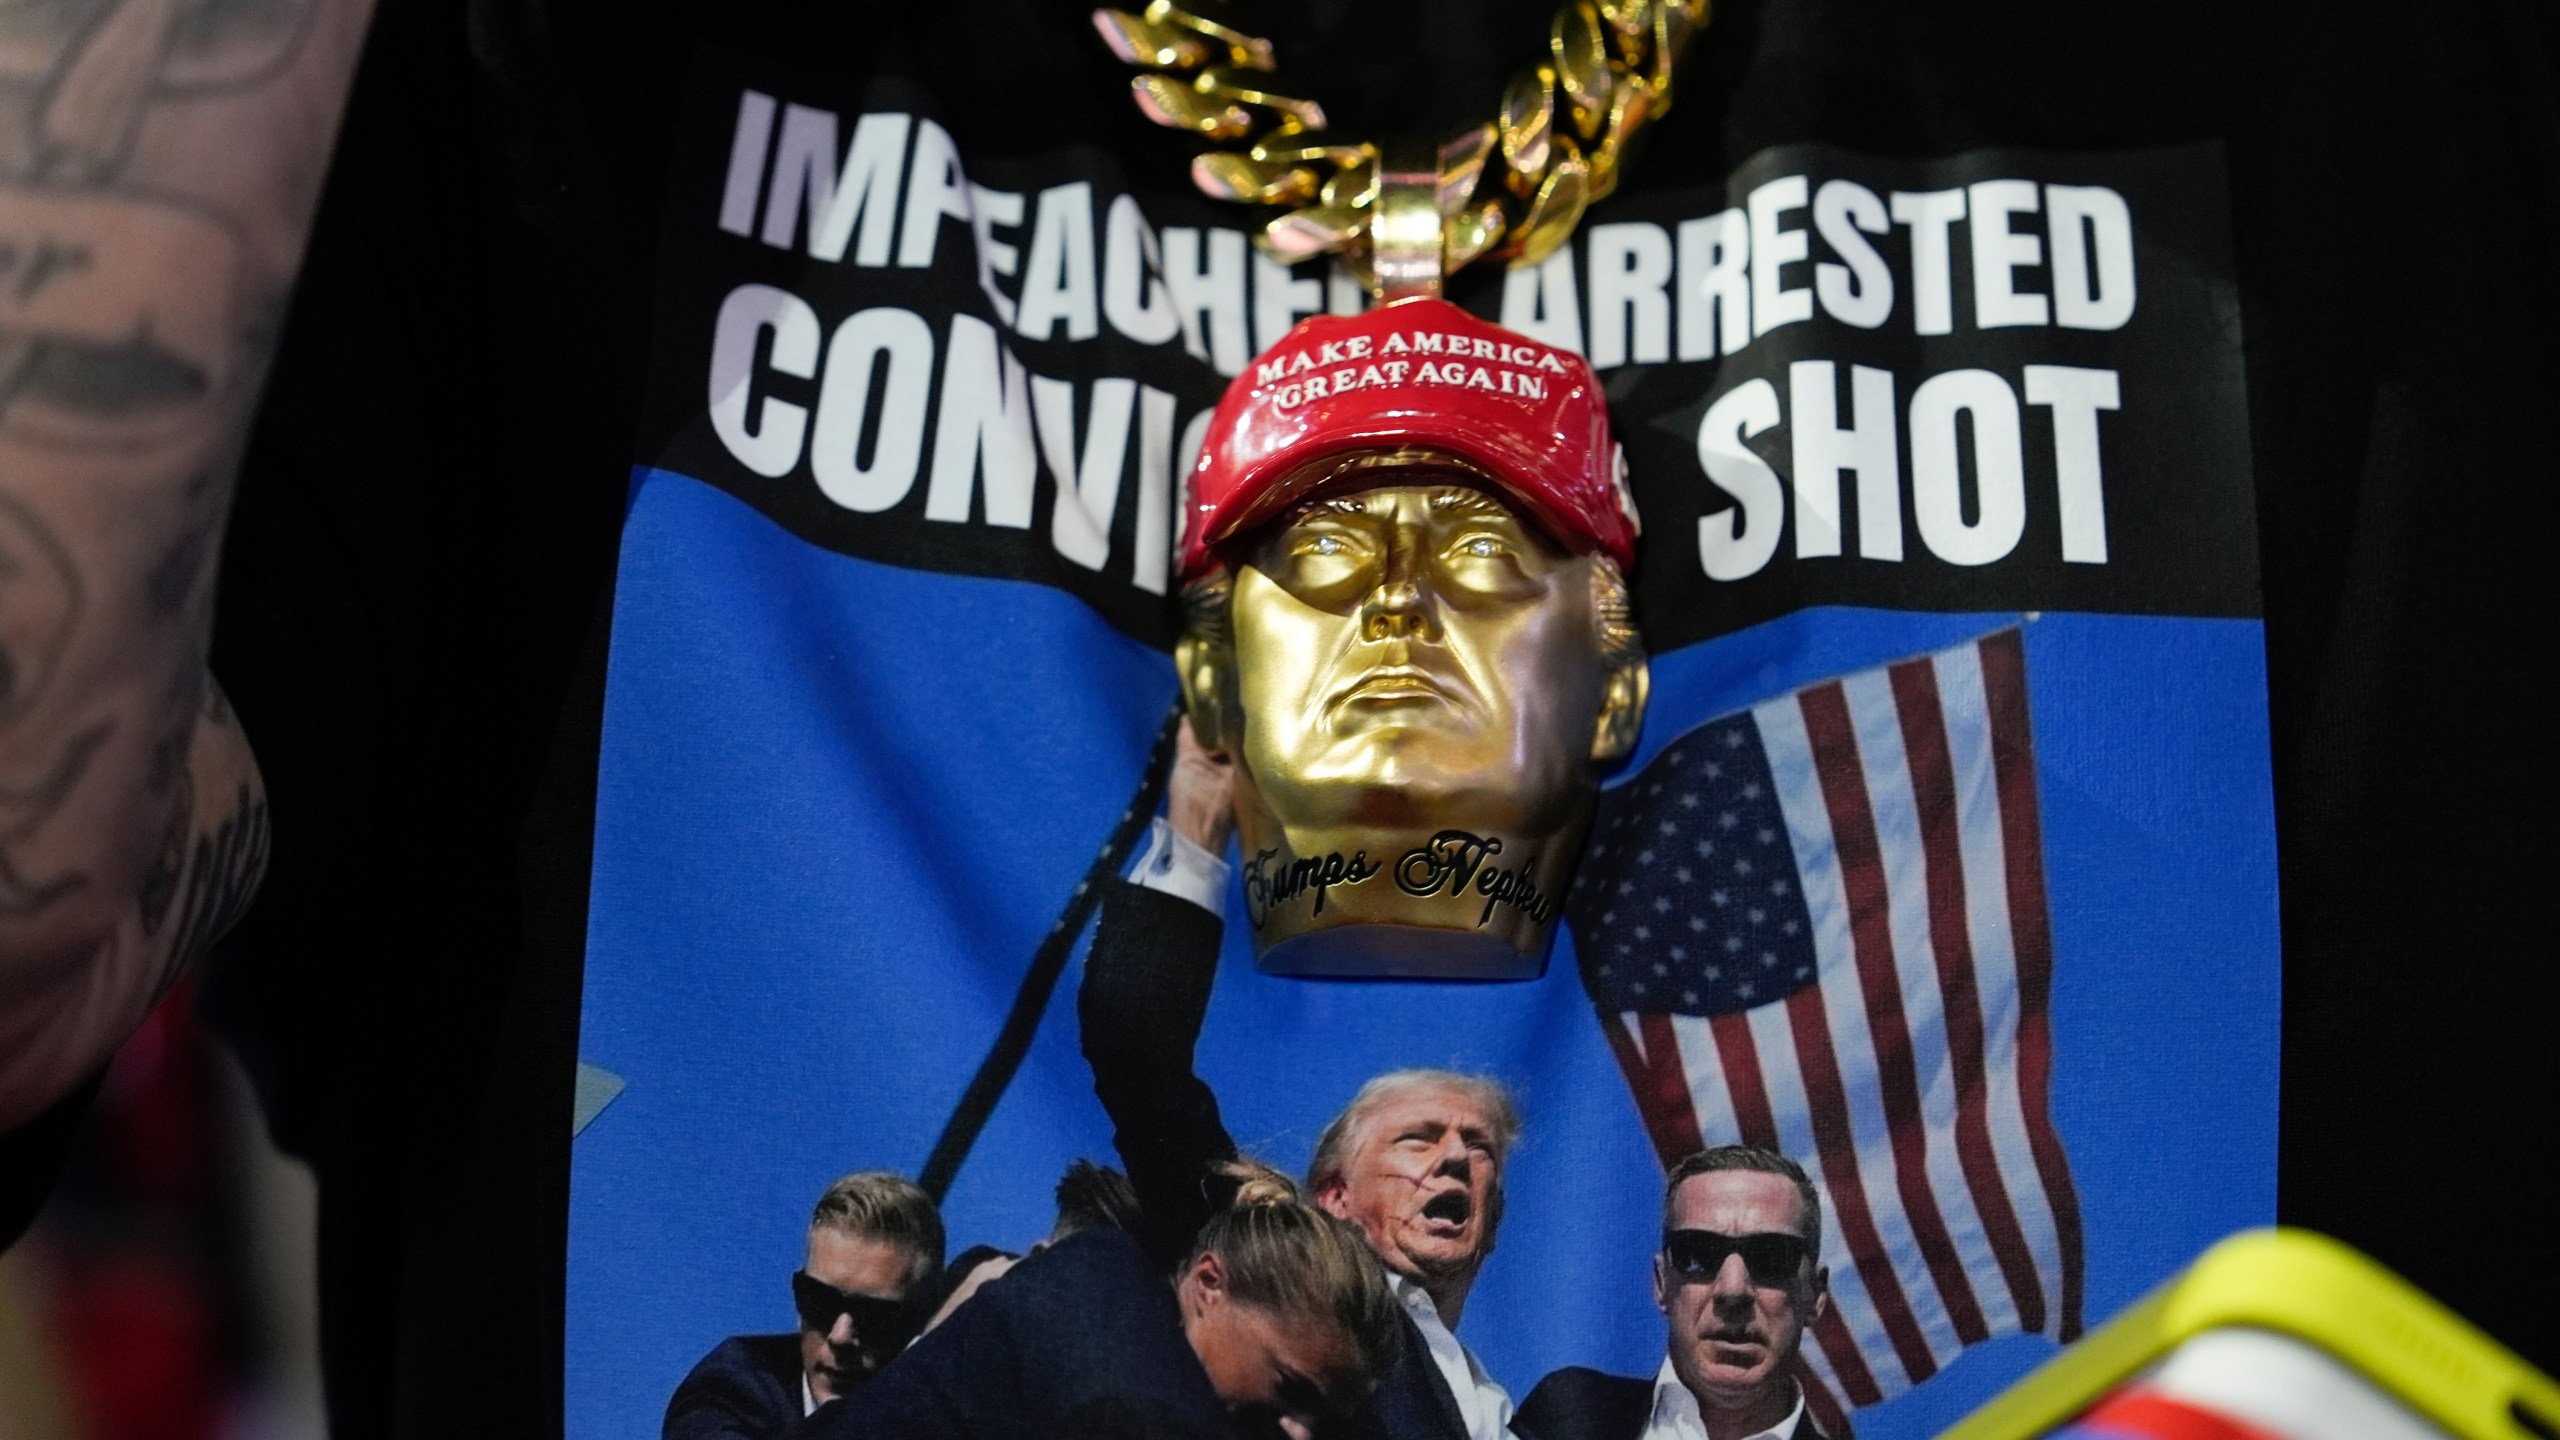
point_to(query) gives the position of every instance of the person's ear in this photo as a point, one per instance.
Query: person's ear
(1208, 1279)
(1623, 691)
(1208, 673)
(1661, 1283)
(1821, 1295)
(1331, 1198)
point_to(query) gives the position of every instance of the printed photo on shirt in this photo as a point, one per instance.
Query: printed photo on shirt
(931, 1073)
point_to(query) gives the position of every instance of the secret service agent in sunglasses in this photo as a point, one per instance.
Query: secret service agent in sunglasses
(880, 1323)
(1774, 1258)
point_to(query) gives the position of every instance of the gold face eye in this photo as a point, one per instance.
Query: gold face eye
(1482, 547)
(1320, 561)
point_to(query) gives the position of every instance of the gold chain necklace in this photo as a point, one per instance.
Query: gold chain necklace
(1403, 215)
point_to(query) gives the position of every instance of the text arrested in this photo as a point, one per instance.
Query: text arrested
(1629, 292)
(1812, 459)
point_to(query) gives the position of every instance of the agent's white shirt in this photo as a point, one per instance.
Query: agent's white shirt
(1177, 867)
(808, 1397)
(1484, 1405)
(1676, 1417)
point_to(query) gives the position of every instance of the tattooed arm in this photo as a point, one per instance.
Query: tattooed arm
(159, 162)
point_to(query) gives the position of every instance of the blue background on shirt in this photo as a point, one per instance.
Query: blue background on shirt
(839, 806)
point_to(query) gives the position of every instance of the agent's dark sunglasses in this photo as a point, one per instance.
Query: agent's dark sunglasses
(877, 1322)
(1775, 1258)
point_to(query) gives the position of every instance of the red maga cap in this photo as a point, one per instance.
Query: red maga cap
(1415, 374)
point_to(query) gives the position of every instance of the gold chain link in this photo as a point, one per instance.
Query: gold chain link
(1510, 189)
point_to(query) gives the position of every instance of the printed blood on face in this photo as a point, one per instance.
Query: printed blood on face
(1423, 1183)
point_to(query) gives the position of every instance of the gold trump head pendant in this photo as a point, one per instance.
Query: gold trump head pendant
(1406, 621)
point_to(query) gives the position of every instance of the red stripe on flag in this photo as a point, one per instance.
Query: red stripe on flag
(1829, 1103)
(2004, 688)
(1841, 1349)
(1830, 1418)
(1933, 792)
(1862, 878)
(1740, 1056)
(1660, 1083)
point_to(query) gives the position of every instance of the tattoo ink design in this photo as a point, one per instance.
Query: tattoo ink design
(24, 810)
(168, 863)
(222, 875)
(210, 46)
(135, 313)
(172, 582)
(137, 307)
(39, 605)
(121, 306)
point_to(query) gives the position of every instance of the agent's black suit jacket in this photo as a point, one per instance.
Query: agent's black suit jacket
(1082, 1341)
(1145, 995)
(1579, 1404)
(746, 1389)
(1412, 1401)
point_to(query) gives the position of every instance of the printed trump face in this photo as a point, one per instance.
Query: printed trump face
(1738, 1281)
(1423, 1182)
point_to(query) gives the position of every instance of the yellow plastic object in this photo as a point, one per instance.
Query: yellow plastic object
(2319, 1291)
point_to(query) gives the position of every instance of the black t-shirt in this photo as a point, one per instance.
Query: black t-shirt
(420, 566)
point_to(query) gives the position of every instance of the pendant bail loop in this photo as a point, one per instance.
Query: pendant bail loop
(1406, 235)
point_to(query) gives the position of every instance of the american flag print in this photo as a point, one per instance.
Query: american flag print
(1819, 925)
